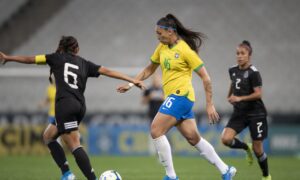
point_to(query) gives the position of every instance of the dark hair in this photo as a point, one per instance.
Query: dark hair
(192, 38)
(246, 44)
(67, 44)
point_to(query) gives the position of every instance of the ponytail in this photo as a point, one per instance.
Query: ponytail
(192, 38)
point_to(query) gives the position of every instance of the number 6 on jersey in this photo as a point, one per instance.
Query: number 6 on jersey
(69, 73)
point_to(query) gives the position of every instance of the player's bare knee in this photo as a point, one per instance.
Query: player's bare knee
(257, 149)
(156, 131)
(46, 138)
(193, 140)
(226, 140)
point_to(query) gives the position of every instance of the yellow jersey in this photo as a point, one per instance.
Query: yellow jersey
(177, 64)
(51, 91)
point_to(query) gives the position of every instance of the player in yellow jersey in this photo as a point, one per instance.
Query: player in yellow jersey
(49, 101)
(177, 56)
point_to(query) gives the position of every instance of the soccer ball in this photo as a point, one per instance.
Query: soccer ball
(110, 175)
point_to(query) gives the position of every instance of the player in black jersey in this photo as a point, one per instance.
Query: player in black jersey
(71, 73)
(249, 111)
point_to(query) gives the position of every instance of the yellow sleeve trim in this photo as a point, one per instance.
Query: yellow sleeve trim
(40, 59)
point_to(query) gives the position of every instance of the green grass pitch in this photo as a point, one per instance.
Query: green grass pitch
(144, 168)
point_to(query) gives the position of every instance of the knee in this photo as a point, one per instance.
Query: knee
(226, 140)
(192, 139)
(47, 137)
(155, 131)
(258, 149)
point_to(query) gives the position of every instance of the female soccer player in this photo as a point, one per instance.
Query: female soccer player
(245, 94)
(177, 56)
(71, 73)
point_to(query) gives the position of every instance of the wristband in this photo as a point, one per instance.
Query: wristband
(130, 85)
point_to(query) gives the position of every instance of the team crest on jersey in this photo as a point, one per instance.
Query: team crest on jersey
(246, 74)
(176, 55)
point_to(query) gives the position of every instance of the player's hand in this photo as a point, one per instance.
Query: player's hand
(233, 99)
(139, 84)
(212, 114)
(2, 58)
(123, 88)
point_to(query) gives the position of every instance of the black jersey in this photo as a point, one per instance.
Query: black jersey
(71, 73)
(243, 82)
(156, 99)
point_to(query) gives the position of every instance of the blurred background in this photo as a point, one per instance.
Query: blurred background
(120, 35)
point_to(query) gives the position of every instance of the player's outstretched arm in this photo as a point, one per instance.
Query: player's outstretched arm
(117, 75)
(213, 116)
(147, 72)
(20, 59)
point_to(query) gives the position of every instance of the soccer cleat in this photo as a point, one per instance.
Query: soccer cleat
(249, 156)
(229, 174)
(68, 176)
(167, 178)
(267, 177)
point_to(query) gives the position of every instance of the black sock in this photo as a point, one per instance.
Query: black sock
(59, 156)
(237, 144)
(83, 163)
(263, 163)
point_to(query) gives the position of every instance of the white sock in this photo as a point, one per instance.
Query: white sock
(163, 149)
(207, 150)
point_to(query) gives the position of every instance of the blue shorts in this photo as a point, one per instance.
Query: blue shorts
(51, 120)
(179, 107)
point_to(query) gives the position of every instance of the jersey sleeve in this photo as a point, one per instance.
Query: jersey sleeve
(255, 79)
(193, 60)
(156, 55)
(230, 72)
(45, 59)
(93, 69)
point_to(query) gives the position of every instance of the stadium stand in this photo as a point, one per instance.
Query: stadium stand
(121, 34)
(8, 8)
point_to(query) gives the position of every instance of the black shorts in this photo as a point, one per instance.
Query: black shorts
(257, 124)
(68, 113)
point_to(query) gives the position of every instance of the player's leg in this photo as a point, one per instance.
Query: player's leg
(72, 140)
(159, 127)
(259, 131)
(50, 139)
(69, 113)
(188, 129)
(228, 139)
(235, 125)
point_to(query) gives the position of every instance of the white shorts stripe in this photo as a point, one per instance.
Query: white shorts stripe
(70, 125)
